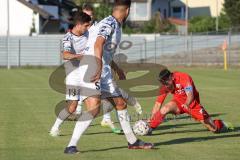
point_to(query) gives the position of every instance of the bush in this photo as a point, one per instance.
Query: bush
(206, 23)
(151, 26)
(202, 24)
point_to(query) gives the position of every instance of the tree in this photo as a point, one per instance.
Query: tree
(101, 11)
(207, 24)
(232, 9)
(201, 24)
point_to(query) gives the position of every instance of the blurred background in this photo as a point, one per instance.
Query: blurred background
(169, 32)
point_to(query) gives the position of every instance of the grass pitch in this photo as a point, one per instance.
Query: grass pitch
(27, 113)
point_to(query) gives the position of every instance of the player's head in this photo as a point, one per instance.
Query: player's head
(88, 9)
(81, 22)
(165, 77)
(121, 9)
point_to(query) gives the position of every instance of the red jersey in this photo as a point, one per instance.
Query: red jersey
(182, 82)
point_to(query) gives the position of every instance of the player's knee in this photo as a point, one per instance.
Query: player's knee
(95, 111)
(164, 110)
(72, 106)
(120, 105)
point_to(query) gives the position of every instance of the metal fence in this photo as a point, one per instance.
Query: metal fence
(194, 49)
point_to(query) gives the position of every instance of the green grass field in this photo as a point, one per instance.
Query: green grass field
(27, 113)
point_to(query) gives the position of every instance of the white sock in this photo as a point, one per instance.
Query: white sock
(82, 124)
(57, 124)
(107, 116)
(62, 116)
(125, 123)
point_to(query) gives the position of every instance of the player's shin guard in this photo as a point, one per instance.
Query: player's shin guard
(125, 124)
(156, 120)
(82, 124)
(63, 115)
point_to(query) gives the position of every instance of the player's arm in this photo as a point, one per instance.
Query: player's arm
(159, 101)
(70, 56)
(105, 30)
(98, 49)
(118, 70)
(67, 53)
(190, 96)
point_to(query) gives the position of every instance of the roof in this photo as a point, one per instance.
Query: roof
(177, 21)
(37, 9)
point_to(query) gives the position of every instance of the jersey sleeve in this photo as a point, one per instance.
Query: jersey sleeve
(187, 83)
(163, 92)
(106, 29)
(161, 98)
(66, 43)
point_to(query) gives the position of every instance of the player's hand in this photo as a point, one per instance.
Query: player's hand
(185, 106)
(79, 56)
(97, 76)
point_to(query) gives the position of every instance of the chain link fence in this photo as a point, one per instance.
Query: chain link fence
(194, 49)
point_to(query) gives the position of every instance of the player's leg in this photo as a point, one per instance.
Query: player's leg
(72, 98)
(198, 112)
(132, 101)
(209, 124)
(133, 142)
(106, 121)
(158, 117)
(84, 120)
(62, 116)
(215, 126)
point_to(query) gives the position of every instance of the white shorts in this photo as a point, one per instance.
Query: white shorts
(78, 84)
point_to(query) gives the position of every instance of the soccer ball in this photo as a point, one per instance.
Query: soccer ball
(141, 128)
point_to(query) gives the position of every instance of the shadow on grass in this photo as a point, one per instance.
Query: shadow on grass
(93, 133)
(196, 139)
(104, 149)
(176, 132)
(171, 117)
(171, 126)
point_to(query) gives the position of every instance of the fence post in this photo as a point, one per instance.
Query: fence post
(162, 50)
(19, 52)
(191, 56)
(155, 49)
(229, 46)
(60, 52)
(8, 53)
(145, 50)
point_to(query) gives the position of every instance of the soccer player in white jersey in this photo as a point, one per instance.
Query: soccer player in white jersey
(107, 106)
(73, 45)
(105, 35)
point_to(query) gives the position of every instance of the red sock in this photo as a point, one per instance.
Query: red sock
(156, 120)
(218, 123)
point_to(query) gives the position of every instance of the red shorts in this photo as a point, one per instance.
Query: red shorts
(196, 110)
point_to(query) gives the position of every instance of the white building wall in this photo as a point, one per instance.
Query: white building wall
(3, 17)
(20, 18)
(215, 6)
(140, 11)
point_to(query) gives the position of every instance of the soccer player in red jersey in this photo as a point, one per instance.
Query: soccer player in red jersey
(185, 100)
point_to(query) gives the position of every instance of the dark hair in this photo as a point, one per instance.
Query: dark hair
(81, 17)
(164, 74)
(87, 6)
(122, 3)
